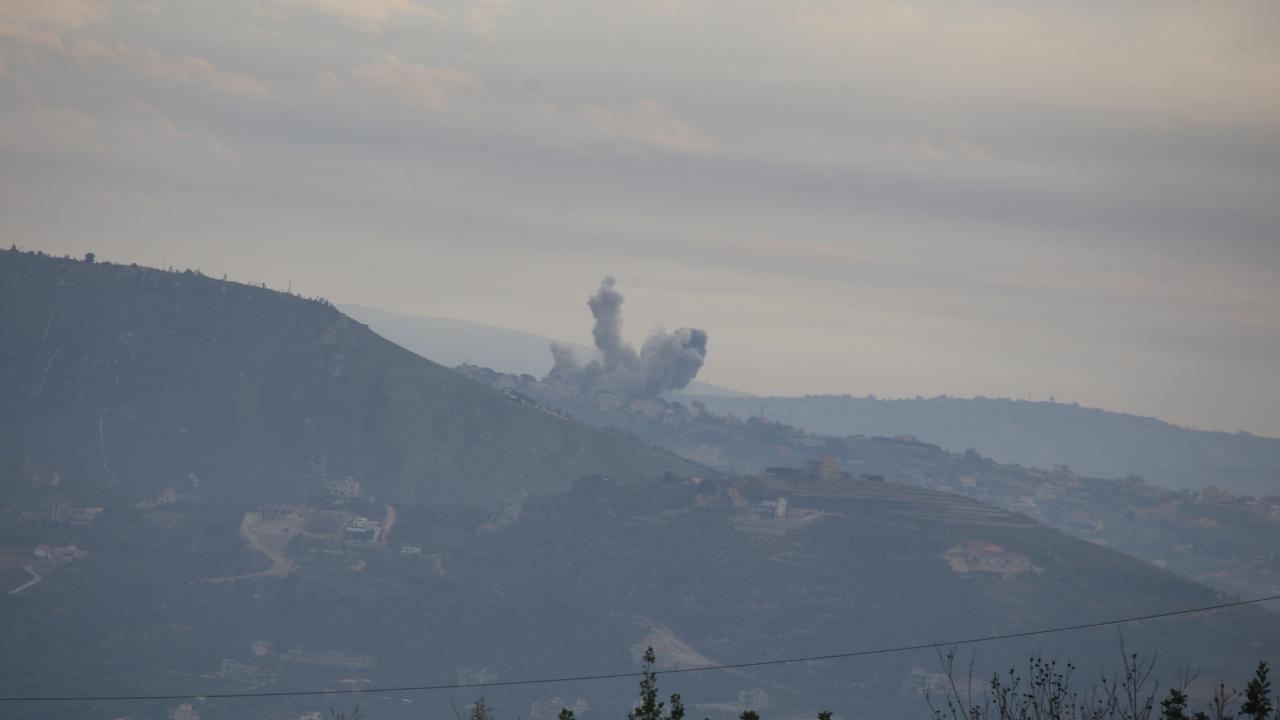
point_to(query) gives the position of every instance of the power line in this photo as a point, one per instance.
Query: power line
(634, 674)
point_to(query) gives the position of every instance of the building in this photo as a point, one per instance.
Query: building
(53, 553)
(770, 509)
(362, 529)
(828, 468)
(347, 488)
(510, 510)
(82, 516)
(275, 512)
(410, 550)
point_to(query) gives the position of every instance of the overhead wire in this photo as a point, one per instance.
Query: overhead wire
(635, 674)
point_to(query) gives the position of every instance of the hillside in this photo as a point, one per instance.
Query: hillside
(1224, 540)
(1040, 434)
(134, 381)
(580, 582)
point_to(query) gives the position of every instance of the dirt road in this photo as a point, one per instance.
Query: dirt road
(267, 538)
(35, 578)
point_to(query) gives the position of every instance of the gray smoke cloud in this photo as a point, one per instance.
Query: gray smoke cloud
(666, 361)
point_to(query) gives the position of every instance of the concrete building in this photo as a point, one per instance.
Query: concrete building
(362, 529)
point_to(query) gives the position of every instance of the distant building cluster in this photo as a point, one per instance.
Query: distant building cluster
(347, 487)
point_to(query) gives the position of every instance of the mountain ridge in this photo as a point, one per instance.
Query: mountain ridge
(145, 379)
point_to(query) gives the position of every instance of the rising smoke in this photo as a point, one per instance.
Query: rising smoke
(666, 361)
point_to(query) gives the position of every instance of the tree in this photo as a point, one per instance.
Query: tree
(650, 708)
(1174, 707)
(749, 715)
(1257, 695)
(480, 711)
(1051, 693)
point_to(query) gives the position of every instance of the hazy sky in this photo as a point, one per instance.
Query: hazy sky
(1070, 198)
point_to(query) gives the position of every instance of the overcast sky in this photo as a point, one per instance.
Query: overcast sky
(1078, 199)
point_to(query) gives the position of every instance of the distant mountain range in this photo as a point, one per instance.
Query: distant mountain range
(1038, 434)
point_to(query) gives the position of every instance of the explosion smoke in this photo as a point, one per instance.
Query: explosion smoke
(666, 361)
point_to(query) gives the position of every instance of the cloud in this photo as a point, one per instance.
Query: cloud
(52, 15)
(374, 15)
(485, 14)
(329, 83)
(192, 71)
(432, 88)
(132, 134)
(951, 146)
(647, 122)
(36, 25)
(269, 14)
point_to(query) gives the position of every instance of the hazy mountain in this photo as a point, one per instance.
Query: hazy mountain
(456, 342)
(139, 380)
(1223, 540)
(1041, 434)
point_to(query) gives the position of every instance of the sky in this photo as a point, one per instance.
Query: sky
(1008, 199)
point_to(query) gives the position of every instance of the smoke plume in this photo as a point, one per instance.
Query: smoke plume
(666, 361)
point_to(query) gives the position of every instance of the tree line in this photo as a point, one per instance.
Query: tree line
(1047, 691)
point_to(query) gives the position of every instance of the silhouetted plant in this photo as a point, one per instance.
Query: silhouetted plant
(480, 711)
(1258, 704)
(650, 708)
(1049, 693)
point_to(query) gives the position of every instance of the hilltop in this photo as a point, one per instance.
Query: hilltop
(134, 381)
